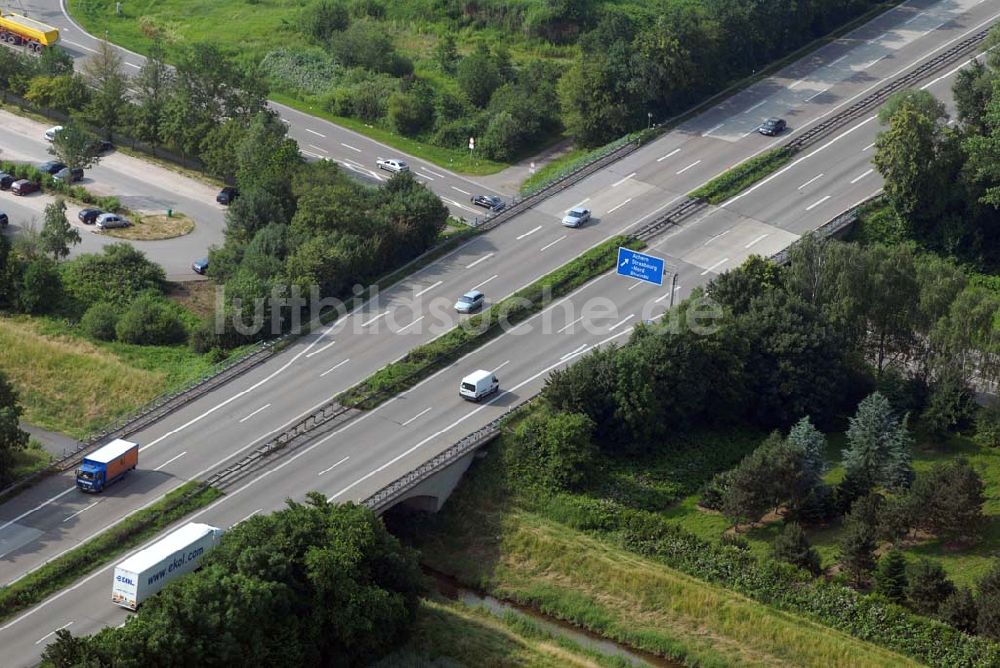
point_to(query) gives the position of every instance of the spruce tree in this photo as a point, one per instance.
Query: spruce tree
(793, 547)
(857, 541)
(927, 586)
(878, 450)
(804, 435)
(890, 576)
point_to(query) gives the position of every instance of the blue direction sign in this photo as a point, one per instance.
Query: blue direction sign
(639, 266)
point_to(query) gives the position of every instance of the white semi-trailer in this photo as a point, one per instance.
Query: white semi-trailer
(147, 572)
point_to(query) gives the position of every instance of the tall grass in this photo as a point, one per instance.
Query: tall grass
(74, 386)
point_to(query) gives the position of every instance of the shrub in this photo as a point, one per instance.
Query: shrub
(116, 275)
(988, 425)
(40, 286)
(99, 321)
(890, 576)
(551, 450)
(150, 320)
(927, 586)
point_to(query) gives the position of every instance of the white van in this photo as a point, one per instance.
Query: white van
(51, 133)
(478, 385)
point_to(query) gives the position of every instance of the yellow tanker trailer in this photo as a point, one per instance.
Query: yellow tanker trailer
(20, 30)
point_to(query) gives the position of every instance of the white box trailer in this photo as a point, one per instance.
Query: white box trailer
(148, 571)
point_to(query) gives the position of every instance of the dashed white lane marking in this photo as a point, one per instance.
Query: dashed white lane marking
(264, 407)
(173, 459)
(758, 239)
(528, 233)
(335, 465)
(672, 153)
(420, 414)
(318, 134)
(618, 206)
(482, 259)
(693, 164)
(69, 517)
(621, 322)
(464, 192)
(811, 181)
(715, 266)
(335, 367)
(817, 203)
(408, 325)
(476, 287)
(861, 176)
(428, 288)
(550, 245)
(622, 180)
(358, 150)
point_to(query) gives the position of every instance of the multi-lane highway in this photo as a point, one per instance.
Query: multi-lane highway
(363, 455)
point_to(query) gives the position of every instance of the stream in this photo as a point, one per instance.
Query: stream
(451, 589)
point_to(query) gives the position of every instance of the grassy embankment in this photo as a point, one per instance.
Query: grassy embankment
(72, 385)
(449, 633)
(517, 548)
(102, 549)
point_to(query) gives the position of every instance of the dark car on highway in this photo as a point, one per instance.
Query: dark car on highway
(772, 127)
(4, 221)
(227, 195)
(51, 167)
(200, 266)
(488, 201)
(6, 181)
(89, 216)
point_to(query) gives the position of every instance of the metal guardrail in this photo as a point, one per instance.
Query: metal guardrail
(872, 100)
(831, 228)
(521, 204)
(151, 412)
(463, 447)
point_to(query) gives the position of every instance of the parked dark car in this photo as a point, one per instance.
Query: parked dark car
(51, 167)
(69, 174)
(200, 266)
(227, 195)
(489, 202)
(6, 181)
(24, 187)
(89, 216)
(101, 146)
(4, 221)
(772, 127)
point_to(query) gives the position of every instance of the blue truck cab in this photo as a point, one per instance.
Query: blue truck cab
(106, 465)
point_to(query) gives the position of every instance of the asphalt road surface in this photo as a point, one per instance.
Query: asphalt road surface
(362, 456)
(140, 185)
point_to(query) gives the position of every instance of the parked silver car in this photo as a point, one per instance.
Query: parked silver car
(107, 221)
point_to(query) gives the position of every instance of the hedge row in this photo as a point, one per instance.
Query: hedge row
(783, 586)
(737, 179)
(424, 360)
(71, 566)
(51, 185)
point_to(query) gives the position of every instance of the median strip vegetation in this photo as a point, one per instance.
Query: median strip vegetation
(424, 360)
(103, 548)
(740, 177)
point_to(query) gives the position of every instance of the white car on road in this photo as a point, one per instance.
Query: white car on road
(392, 165)
(576, 217)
